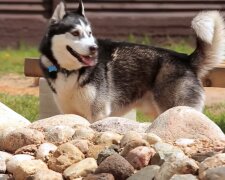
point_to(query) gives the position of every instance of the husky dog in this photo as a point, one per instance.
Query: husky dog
(101, 78)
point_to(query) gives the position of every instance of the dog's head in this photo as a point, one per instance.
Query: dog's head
(69, 40)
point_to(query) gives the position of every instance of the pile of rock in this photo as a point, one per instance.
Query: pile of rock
(181, 144)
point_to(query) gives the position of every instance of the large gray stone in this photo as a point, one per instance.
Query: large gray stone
(185, 122)
(71, 120)
(9, 118)
(119, 125)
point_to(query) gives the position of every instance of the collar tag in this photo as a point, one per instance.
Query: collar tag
(52, 68)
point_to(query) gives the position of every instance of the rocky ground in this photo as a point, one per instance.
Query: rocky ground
(181, 144)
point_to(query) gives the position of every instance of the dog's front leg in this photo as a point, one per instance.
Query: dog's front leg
(100, 110)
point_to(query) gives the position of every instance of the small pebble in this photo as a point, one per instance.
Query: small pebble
(108, 138)
(84, 133)
(133, 144)
(116, 165)
(151, 138)
(104, 154)
(140, 156)
(29, 149)
(202, 156)
(80, 169)
(177, 163)
(2, 166)
(217, 173)
(184, 142)
(6, 177)
(45, 174)
(14, 161)
(146, 173)
(65, 155)
(20, 138)
(211, 162)
(44, 151)
(5, 155)
(59, 134)
(27, 168)
(183, 177)
(94, 150)
(130, 136)
(163, 152)
(81, 144)
(101, 176)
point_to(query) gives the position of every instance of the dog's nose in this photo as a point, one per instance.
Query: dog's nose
(93, 49)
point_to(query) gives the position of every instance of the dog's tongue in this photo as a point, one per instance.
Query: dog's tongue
(88, 60)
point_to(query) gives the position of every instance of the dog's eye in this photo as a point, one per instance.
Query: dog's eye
(75, 33)
(90, 33)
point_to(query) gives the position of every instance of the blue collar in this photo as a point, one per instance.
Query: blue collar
(52, 68)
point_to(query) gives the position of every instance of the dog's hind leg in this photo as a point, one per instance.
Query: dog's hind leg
(183, 91)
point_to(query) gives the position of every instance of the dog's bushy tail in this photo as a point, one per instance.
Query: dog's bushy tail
(209, 28)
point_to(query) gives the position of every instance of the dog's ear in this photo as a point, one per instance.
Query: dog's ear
(80, 9)
(58, 13)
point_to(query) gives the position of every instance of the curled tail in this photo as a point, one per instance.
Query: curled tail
(209, 28)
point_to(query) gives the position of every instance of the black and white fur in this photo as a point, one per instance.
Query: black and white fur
(101, 78)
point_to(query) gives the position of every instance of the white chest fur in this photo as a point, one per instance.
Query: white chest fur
(72, 98)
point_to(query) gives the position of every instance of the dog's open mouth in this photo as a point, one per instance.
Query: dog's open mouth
(86, 60)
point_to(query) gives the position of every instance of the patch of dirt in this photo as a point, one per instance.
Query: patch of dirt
(214, 95)
(18, 85)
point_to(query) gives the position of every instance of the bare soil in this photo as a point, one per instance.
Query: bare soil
(18, 85)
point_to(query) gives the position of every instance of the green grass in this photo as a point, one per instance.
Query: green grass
(217, 114)
(182, 46)
(25, 105)
(12, 60)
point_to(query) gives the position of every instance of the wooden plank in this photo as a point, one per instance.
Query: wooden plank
(32, 67)
(26, 8)
(147, 6)
(23, 1)
(161, 1)
(216, 77)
